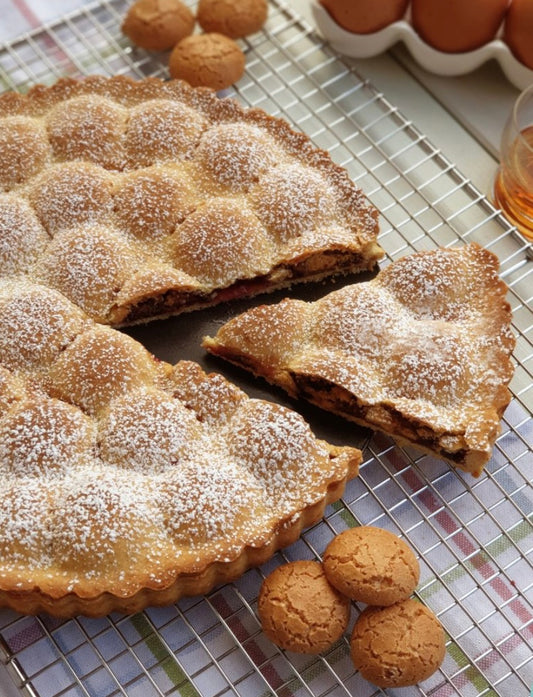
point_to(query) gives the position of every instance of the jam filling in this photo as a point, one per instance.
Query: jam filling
(338, 400)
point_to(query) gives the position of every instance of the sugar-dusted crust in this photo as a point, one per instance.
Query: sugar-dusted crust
(127, 481)
(421, 352)
(142, 199)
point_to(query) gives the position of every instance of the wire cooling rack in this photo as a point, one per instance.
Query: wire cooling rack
(474, 538)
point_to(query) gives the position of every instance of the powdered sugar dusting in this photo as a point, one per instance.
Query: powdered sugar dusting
(422, 351)
(148, 432)
(141, 159)
(100, 365)
(160, 130)
(213, 501)
(294, 199)
(222, 242)
(277, 447)
(151, 202)
(107, 454)
(88, 128)
(136, 466)
(237, 154)
(24, 148)
(88, 264)
(426, 323)
(22, 237)
(44, 438)
(24, 515)
(35, 325)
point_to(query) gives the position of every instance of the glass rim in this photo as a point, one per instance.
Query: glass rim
(528, 92)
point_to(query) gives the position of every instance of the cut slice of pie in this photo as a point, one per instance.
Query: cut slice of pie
(127, 481)
(142, 199)
(421, 352)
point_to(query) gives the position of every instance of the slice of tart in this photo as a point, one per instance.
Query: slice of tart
(143, 199)
(129, 482)
(421, 352)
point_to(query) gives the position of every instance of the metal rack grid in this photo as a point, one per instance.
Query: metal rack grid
(474, 538)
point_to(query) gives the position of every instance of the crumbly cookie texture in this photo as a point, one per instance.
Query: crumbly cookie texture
(300, 610)
(421, 352)
(207, 60)
(371, 565)
(158, 25)
(233, 18)
(143, 199)
(399, 645)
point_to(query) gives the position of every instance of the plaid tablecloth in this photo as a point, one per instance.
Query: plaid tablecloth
(19, 16)
(474, 538)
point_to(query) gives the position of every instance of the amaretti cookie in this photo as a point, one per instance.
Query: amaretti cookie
(399, 645)
(300, 610)
(371, 565)
(207, 60)
(233, 18)
(158, 25)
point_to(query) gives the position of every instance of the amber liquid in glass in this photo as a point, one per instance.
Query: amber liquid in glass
(513, 188)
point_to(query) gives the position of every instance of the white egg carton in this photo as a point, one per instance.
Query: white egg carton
(368, 45)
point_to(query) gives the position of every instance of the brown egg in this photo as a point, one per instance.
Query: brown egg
(365, 16)
(457, 26)
(518, 30)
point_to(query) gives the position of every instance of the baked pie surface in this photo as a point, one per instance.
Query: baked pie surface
(127, 481)
(421, 352)
(142, 199)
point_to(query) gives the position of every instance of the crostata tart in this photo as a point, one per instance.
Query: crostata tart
(127, 481)
(421, 352)
(142, 199)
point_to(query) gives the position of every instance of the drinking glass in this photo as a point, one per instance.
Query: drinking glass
(513, 188)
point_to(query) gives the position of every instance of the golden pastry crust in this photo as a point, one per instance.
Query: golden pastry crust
(100, 177)
(233, 18)
(158, 25)
(300, 610)
(371, 565)
(127, 481)
(421, 352)
(399, 645)
(207, 60)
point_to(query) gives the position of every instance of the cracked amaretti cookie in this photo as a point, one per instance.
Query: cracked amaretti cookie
(127, 481)
(421, 352)
(142, 199)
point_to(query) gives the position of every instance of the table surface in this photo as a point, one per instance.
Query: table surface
(462, 117)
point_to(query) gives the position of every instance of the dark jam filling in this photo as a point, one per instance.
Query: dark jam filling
(338, 400)
(174, 301)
